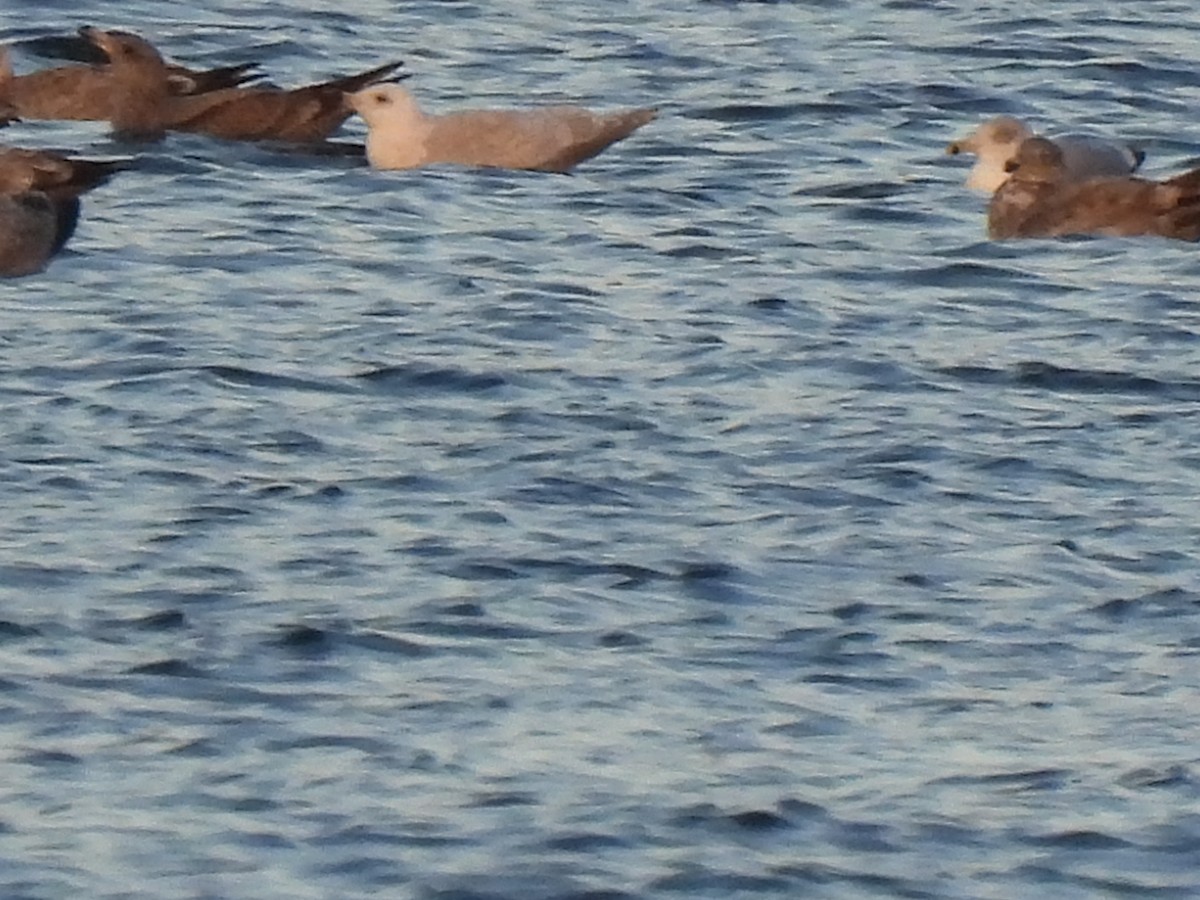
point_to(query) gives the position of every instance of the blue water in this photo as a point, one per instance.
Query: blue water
(726, 520)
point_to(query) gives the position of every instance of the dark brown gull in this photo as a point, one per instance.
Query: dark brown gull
(1040, 200)
(995, 142)
(86, 92)
(550, 139)
(39, 204)
(146, 107)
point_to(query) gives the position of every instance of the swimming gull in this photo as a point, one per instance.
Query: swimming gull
(184, 80)
(1040, 200)
(146, 108)
(87, 91)
(39, 203)
(995, 142)
(551, 139)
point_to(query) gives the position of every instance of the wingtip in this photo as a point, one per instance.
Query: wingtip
(386, 72)
(94, 37)
(642, 115)
(91, 173)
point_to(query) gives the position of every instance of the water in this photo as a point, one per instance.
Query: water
(728, 519)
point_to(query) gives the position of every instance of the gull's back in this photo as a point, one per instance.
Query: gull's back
(552, 139)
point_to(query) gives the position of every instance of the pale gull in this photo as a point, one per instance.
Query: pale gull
(88, 91)
(550, 139)
(39, 204)
(146, 107)
(995, 142)
(1040, 200)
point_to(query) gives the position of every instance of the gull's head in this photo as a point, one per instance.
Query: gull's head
(122, 48)
(1037, 159)
(998, 135)
(16, 178)
(382, 103)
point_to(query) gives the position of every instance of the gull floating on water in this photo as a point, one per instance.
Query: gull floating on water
(551, 139)
(1040, 200)
(146, 107)
(995, 142)
(39, 204)
(184, 80)
(88, 91)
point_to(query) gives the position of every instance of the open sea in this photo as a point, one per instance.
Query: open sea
(728, 519)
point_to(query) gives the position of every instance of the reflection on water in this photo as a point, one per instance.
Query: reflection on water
(726, 519)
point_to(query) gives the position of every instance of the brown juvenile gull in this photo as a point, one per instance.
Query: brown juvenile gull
(995, 142)
(146, 108)
(39, 204)
(184, 80)
(88, 92)
(1040, 200)
(552, 139)
(77, 48)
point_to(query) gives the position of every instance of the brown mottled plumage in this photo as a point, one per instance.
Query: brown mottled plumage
(39, 204)
(1039, 200)
(147, 108)
(87, 91)
(61, 177)
(8, 111)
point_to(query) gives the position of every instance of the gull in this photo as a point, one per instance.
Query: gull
(995, 142)
(39, 204)
(184, 80)
(1039, 199)
(551, 139)
(87, 91)
(146, 108)
(30, 230)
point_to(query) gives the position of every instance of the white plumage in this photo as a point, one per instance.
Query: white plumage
(995, 142)
(550, 139)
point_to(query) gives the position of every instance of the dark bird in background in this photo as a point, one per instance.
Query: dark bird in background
(87, 91)
(145, 106)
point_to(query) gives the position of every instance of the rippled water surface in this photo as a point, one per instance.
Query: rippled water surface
(728, 519)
